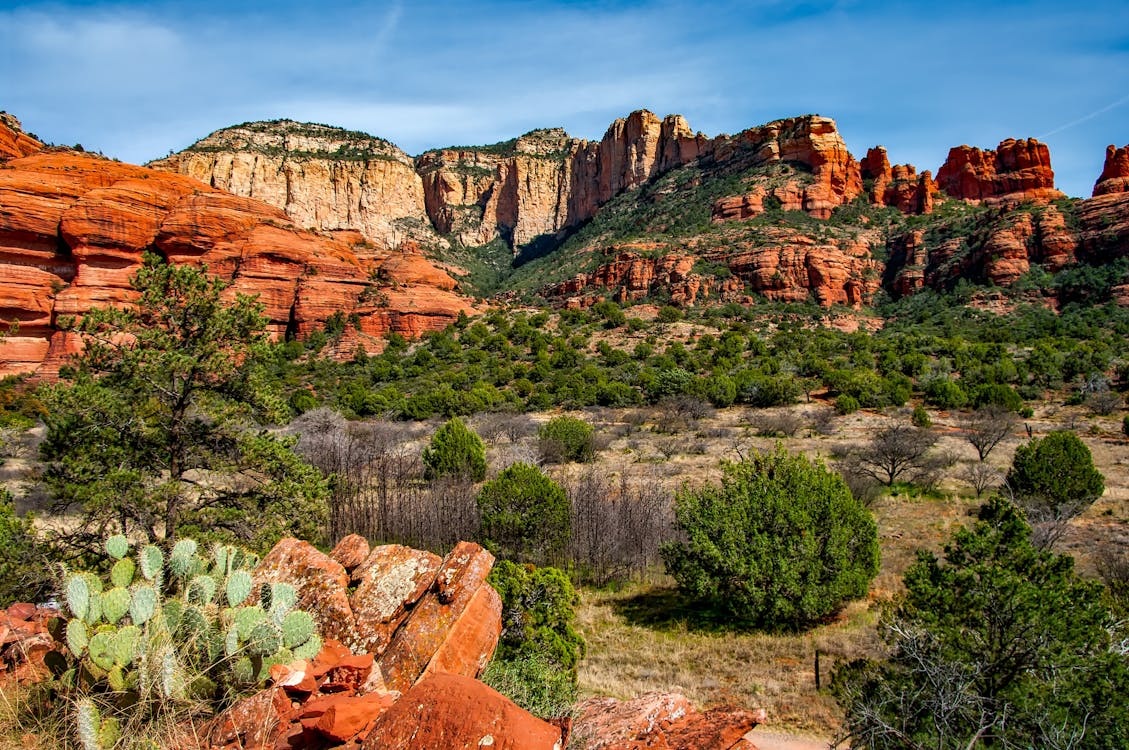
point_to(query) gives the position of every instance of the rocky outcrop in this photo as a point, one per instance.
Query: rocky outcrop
(660, 720)
(638, 270)
(531, 187)
(516, 190)
(73, 229)
(25, 641)
(1115, 174)
(1004, 243)
(416, 613)
(1017, 170)
(14, 142)
(899, 186)
(783, 265)
(323, 177)
(457, 713)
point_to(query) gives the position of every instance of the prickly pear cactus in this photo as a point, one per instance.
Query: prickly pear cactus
(169, 628)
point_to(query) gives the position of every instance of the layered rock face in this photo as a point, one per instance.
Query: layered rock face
(1115, 175)
(1008, 242)
(789, 267)
(324, 178)
(14, 142)
(899, 186)
(73, 229)
(1015, 171)
(516, 191)
(534, 186)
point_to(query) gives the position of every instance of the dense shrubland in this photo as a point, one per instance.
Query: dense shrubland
(362, 456)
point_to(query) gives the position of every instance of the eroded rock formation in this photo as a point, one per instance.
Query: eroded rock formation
(1115, 175)
(1017, 170)
(323, 177)
(73, 228)
(899, 186)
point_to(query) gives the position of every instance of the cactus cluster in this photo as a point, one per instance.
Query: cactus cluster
(188, 626)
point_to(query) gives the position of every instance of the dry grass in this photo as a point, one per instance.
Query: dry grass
(634, 647)
(639, 640)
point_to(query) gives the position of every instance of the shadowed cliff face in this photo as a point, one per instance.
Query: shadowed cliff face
(73, 229)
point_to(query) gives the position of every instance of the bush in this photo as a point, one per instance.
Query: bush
(455, 451)
(525, 515)
(945, 394)
(538, 616)
(780, 544)
(997, 394)
(564, 439)
(25, 574)
(1055, 470)
(921, 417)
(846, 405)
(999, 645)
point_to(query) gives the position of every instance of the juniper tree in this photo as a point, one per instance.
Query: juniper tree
(156, 428)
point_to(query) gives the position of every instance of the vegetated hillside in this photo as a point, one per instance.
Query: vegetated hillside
(655, 211)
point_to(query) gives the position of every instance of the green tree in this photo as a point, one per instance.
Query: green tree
(155, 427)
(455, 451)
(1055, 470)
(1053, 479)
(998, 645)
(25, 573)
(525, 515)
(780, 544)
(566, 439)
(539, 648)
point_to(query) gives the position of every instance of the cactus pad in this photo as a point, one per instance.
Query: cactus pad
(297, 628)
(117, 546)
(310, 649)
(142, 603)
(201, 589)
(152, 561)
(115, 604)
(100, 650)
(182, 558)
(265, 639)
(123, 571)
(78, 596)
(239, 585)
(77, 638)
(89, 723)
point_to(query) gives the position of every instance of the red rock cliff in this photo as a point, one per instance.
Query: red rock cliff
(1115, 175)
(1015, 171)
(73, 228)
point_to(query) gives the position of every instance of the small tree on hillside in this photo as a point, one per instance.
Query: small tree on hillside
(987, 427)
(455, 451)
(998, 645)
(895, 453)
(563, 439)
(525, 515)
(781, 543)
(155, 428)
(1053, 479)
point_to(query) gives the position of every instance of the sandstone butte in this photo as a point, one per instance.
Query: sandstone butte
(547, 182)
(417, 631)
(1115, 175)
(73, 228)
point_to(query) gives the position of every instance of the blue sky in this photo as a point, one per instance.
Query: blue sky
(137, 80)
